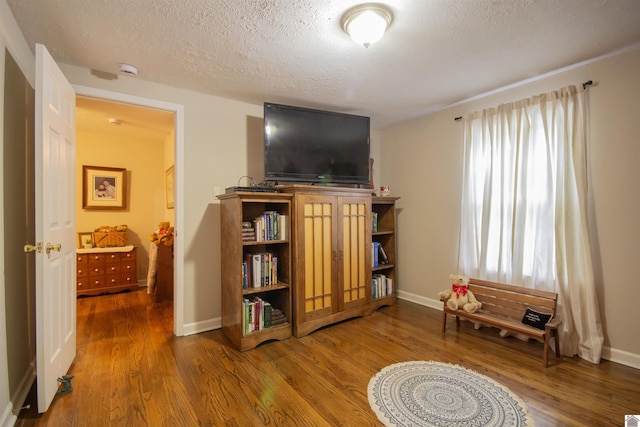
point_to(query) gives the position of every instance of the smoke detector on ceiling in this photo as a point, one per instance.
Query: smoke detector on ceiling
(128, 69)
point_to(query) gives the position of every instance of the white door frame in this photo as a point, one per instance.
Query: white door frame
(178, 274)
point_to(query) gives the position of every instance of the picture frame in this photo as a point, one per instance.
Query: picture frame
(85, 238)
(104, 187)
(168, 185)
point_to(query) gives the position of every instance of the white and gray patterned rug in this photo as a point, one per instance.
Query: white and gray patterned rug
(423, 393)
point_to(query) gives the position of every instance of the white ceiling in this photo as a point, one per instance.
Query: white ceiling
(437, 52)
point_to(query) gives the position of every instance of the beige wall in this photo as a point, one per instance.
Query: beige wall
(422, 161)
(145, 161)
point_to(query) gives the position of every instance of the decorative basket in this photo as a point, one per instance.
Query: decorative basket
(105, 237)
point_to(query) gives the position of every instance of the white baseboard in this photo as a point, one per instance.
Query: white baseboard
(204, 326)
(617, 356)
(427, 302)
(24, 387)
(8, 419)
(622, 357)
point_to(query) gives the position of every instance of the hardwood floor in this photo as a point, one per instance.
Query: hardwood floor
(131, 371)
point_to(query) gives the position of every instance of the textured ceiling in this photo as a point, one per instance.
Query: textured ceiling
(437, 52)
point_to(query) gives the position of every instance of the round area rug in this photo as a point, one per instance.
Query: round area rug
(442, 394)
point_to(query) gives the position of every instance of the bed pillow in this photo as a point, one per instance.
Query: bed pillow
(535, 318)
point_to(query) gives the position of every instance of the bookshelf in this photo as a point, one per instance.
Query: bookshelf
(256, 269)
(384, 283)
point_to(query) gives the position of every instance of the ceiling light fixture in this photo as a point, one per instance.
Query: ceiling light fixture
(366, 23)
(115, 122)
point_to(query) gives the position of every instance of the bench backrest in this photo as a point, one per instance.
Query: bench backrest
(511, 301)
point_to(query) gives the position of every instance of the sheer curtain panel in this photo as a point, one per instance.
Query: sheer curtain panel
(524, 207)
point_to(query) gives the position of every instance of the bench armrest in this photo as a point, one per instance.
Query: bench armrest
(554, 322)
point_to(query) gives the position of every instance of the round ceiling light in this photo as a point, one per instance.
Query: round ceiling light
(367, 23)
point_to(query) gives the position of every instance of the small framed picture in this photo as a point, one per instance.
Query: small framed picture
(104, 187)
(169, 180)
(85, 240)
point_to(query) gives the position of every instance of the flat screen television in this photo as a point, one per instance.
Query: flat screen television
(314, 146)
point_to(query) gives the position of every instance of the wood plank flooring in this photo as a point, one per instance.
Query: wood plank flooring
(131, 371)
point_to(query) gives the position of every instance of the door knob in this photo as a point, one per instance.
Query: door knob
(51, 247)
(33, 248)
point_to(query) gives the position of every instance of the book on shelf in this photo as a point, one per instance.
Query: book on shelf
(374, 254)
(267, 309)
(374, 218)
(382, 255)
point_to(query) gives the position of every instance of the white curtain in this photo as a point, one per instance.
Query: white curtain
(524, 207)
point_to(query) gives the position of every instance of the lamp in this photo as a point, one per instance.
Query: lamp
(366, 23)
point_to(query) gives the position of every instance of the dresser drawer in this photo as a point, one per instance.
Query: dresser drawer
(113, 257)
(82, 271)
(97, 258)
(95, 270)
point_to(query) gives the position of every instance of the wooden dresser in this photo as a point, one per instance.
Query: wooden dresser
(105, 270)
(164, 280)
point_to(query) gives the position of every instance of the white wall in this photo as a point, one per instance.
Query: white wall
(422, 161)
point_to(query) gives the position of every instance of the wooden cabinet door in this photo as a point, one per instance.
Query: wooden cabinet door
(316, 280)
(354, 252)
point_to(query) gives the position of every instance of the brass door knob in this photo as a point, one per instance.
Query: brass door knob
(51, 247)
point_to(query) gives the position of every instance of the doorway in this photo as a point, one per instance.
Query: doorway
(157, 127)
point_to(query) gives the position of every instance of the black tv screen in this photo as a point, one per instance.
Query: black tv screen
(314, 146)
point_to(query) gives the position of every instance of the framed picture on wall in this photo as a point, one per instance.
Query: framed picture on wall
(169, 180)
(104, 187)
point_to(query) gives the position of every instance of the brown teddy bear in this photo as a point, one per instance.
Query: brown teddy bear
(459, 295)
(164, 234)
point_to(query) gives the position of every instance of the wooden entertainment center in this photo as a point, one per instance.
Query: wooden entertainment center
(325, 258)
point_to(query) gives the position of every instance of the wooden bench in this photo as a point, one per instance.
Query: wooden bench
(504, 306)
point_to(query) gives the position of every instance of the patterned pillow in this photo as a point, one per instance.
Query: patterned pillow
(535, 318)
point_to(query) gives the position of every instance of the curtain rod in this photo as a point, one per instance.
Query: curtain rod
(584, 86)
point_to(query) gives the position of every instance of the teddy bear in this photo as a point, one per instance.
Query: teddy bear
(459, 296)
(163, 235)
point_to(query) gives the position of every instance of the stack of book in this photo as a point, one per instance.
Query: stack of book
(381, 286)
(277, 317)
(248, 232)
(258, 314)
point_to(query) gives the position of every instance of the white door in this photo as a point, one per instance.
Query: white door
(55, 225)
